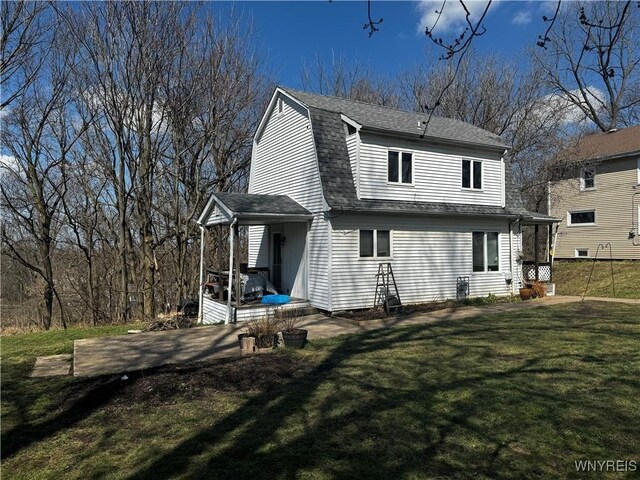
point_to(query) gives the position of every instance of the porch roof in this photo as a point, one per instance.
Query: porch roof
(251, 209)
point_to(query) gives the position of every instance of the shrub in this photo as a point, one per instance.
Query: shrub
(539, 290)
(264, 329)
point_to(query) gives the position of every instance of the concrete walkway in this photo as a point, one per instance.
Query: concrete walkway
(122, 353)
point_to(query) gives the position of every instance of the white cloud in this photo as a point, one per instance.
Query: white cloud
(521, 18)
(453, 15)
(557, 104)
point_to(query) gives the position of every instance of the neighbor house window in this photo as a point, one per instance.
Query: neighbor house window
(399, 167)
(588, 178)
(472, 174)
(582, 253)
(486, 251)
(376, 242)
(585, 217)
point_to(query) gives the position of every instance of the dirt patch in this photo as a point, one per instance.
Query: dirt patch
(408, 310)
(172, 383)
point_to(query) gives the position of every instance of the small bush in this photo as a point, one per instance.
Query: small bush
(264, 329)
(539, 290)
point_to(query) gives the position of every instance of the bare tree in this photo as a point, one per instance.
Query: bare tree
(349, 79)
(24, 33)
(591, 59)
(38, 134)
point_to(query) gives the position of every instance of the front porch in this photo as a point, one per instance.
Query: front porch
(278, 232)
(540, 267)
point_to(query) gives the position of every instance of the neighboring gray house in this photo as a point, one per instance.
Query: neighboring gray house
(599, 199)
(339, 186)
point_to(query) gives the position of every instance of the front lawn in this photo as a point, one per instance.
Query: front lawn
(521, 394)
(571, 278)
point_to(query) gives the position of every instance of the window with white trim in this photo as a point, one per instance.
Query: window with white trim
(588, 178)
(399, 167)
(582, 253)
(472, 174)
(280, 106)
(583, 217)
(638, 170)
(375, 243)
(486, 251)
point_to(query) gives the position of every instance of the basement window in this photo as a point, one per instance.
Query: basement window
(582, 253)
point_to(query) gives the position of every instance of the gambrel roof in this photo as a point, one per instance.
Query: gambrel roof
(386, 119)
(335, 169)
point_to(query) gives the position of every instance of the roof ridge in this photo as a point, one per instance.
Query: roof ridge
(346, 99)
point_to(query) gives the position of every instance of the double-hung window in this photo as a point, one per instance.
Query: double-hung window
(399, 167)
(375, 243)
(472, 174)
(588, 178)
(486, 251)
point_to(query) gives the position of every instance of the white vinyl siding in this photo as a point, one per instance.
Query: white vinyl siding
(352, 148)
(284, 158)
(436, 172)
(319, 246)
(429, 253)
(258, 246)
(284, 163)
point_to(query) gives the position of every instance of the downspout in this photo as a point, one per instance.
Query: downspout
(513, 277)
(201, 297)
(227, 317)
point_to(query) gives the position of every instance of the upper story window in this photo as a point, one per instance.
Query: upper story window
(472, 174)
(280, 106)
(400, 167)
(588, 178)
(486, 251)
(375, 243)
(584, 217)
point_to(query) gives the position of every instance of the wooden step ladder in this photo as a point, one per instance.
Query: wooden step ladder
(385, 296)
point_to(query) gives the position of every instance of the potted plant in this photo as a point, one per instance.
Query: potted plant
(526, 293)
(265, 332)
(539, 289)
(293, 336)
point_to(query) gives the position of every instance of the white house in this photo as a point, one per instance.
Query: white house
(339, 186)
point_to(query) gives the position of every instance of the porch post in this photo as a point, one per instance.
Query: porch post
(238, 293)
(535, 243)
(227, 317)
(220, 265)
(201, 295)
(550, 257)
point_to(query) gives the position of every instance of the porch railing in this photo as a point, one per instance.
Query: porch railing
(529, 271)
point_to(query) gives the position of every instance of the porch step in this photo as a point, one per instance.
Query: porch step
(300, 311)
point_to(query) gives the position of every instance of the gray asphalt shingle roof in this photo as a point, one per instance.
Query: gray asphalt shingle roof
(254, 204)
(335, 168)
(400, 121)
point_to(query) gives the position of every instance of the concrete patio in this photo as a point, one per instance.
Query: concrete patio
(123, 353)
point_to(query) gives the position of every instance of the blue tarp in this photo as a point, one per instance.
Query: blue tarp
(275, 299)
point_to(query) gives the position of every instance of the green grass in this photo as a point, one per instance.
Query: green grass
(571, 278)
(512, 395)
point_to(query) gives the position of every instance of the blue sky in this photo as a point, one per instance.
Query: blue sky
(291, 32)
